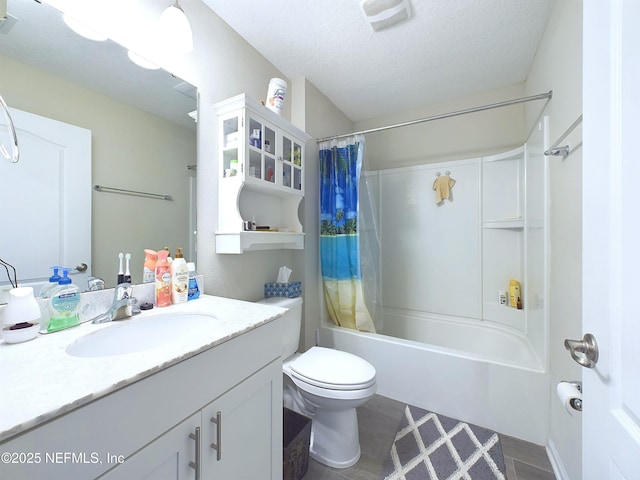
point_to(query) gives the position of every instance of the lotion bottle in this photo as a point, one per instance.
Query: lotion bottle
(163, 280)
(179, 278)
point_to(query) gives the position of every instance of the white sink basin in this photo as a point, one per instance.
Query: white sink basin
(139, 334)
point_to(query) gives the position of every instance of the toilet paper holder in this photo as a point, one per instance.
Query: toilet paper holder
(576, 403)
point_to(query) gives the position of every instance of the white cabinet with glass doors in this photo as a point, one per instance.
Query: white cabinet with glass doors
(261, 178)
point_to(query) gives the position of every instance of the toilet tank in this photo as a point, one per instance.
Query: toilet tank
(293, 319)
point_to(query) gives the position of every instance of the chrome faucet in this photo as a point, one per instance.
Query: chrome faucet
(122, 306)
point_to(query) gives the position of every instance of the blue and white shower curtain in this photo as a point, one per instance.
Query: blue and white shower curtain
(340, 165)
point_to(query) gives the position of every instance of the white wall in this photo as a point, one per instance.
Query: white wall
(466, 136)
(223, 65)
(131, 149)
(558, 67)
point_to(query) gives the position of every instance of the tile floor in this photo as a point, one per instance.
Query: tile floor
(378, 420)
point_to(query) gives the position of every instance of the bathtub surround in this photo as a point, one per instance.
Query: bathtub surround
(432, 446)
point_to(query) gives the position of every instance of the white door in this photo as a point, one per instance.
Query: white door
(611, 238)
(46, 201)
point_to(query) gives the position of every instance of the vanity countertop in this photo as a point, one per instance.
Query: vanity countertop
(40, 381)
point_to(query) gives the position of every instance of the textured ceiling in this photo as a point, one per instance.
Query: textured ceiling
(448, 49)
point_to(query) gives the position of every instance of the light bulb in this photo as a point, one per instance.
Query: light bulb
(175, 30)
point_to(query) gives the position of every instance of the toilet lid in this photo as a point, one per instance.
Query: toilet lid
(333, 369)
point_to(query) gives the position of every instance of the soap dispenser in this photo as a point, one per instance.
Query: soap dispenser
(53, 283)
(63, 304)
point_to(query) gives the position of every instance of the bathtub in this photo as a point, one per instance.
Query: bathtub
(470, 370)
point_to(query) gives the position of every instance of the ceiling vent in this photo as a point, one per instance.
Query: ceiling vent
(384, 13)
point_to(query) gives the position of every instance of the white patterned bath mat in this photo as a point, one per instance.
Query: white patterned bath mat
(435, 447)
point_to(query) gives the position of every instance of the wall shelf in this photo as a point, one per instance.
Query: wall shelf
(515, 223)
(240, 242)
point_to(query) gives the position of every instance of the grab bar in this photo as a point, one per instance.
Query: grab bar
(159, 196)
(15, 150)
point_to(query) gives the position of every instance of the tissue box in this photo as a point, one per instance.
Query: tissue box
(288, 289)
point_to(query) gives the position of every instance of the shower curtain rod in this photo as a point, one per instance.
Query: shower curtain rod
(540, 96)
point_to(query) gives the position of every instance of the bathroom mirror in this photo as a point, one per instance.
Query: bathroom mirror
(36, 38)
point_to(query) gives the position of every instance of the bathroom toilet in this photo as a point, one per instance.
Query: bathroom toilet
(326, 385)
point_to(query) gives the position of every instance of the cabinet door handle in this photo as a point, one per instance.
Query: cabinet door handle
(196, 465)
(217, 446)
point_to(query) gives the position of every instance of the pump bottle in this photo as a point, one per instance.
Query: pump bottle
(64, 304)
(53, 283)
(179, 278)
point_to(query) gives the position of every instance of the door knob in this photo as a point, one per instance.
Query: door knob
(584, 351)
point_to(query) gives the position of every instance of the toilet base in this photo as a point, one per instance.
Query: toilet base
(334, 437)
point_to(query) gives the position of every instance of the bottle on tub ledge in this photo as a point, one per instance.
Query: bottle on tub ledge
(179, 278)
(515, 294)
(163, 280)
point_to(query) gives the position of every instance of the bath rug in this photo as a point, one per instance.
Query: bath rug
(432, 446)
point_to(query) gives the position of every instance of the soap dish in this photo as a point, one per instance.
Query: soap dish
(20, 335)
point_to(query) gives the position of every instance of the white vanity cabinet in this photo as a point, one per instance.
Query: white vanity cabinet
(233, 435)
(152, 428)
(261, 177)
(167, 457)
(237, 426)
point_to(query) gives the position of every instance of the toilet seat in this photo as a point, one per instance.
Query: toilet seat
(333, 370)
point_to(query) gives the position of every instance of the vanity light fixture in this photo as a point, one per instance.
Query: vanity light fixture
(175, 30)
(384, 13)
(83, 29)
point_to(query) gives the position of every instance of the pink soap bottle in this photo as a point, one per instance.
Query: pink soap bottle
(163, 280)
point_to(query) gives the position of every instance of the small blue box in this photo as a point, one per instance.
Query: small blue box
(288, 289)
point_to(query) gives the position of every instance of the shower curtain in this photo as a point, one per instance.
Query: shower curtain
(340, 165)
